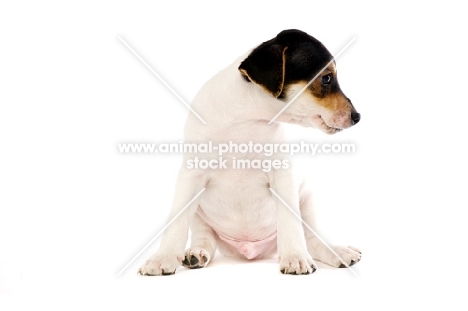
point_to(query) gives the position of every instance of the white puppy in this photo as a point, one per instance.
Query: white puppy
(252, 213)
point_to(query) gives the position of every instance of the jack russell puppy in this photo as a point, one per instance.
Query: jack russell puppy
(249, 212)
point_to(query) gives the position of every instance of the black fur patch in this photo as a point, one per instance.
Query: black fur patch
(265, 66)
(304, 56)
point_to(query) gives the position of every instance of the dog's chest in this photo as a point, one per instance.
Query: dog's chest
(239, 207)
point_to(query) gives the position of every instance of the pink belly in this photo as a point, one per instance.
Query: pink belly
(251, 249)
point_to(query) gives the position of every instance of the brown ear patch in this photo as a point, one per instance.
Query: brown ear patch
(265, 66)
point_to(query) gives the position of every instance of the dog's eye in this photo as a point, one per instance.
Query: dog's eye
(327, 79)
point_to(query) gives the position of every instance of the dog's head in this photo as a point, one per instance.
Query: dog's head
(285, 64)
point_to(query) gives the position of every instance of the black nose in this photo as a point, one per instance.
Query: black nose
(355, 117)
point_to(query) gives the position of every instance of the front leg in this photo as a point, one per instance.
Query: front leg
(203, 245)
(335, 256)
(292, 250)
(171, 251)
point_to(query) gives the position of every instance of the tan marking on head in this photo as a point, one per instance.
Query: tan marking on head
(332, 68)
(335, 102)
(332, 100)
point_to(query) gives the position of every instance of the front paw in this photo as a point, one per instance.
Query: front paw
(297, 264)
(350, 255)
(196, 258)
(161, 265)
(341, 257)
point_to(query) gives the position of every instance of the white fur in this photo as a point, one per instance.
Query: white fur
(237, 205)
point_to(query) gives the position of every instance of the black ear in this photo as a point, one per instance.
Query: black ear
(265, 66)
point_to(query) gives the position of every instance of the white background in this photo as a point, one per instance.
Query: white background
(73, 211)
